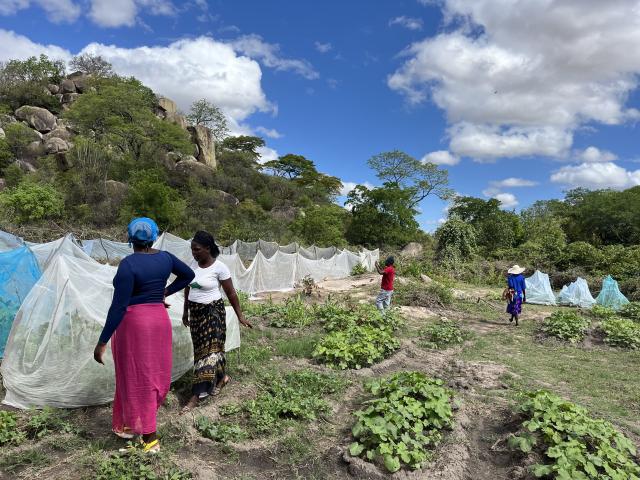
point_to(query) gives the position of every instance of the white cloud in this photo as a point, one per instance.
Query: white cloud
(269, 132)
(597, 175)
(407, 22)
(58, 11)
(267, 154)
(14, 46)
(595, 155)
(513, 182)
(124, 13)
(347, 187)
(269, 54)
(507, 200)
(333, 83)
(10, 7)
(323, 47)
(441, 157)
(518, 77)
(487, 143)
(184, 71)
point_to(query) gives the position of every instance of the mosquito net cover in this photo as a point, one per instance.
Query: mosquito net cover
(610, 295)
(576, 294)
(19, 272)
(539, 289)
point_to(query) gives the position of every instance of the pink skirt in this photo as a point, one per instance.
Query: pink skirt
(141, 347)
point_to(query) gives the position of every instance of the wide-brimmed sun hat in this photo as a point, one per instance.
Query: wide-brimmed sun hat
(142, 230)
(516, 269)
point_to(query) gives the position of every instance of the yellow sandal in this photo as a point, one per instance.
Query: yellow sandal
(151, 447)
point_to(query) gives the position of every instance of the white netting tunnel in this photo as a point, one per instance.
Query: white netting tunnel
(49, 355)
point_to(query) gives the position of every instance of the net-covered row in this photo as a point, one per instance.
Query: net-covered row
(610, 295)
(9, 241)
(539, 289)
(576, 294)
(49, 355)
(106, 251)
(18, 274)
(279, 272)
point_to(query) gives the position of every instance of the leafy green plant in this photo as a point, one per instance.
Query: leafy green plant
(602, 313)
(359, 269)
(9, 430)
(358, 335)
(566, 325)
(631, 311)
(404, 421)
(442, 334)
(621, 332)
(574, 445)
(139, 466)
(219, 432)
(48, 421)
(356, 346)
(296, 395)
(293, 313)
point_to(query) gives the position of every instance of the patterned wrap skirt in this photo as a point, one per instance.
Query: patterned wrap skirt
(514, 307)
(208, 334)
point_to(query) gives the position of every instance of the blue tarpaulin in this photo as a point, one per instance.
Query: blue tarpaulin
(19, 272)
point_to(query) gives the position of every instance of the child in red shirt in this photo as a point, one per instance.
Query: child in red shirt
(383, 300)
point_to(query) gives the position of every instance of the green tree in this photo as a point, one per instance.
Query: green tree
(456, 242)
(245, 144)
(119, 113)
(94, 65)
(24, 82)
(149, 195)
(206, 113)
(381, 216)
(322, 225)
(291, 166)
(420, 178)
(32, 202)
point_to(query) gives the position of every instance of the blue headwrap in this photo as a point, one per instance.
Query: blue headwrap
(142, 231)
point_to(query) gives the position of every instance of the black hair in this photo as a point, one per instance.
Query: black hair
(389, 261)
(141, 244)
(206, 240)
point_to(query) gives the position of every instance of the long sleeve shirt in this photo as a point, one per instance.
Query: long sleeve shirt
(141, 278)
(517, 283)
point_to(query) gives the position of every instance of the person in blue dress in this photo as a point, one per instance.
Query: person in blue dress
(516, 293)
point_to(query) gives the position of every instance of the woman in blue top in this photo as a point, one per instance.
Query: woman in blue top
(139, 328)
(517, 292)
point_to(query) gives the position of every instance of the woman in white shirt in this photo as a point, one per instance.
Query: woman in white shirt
(205, 315)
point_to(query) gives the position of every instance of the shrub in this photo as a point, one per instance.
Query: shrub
(137, 465)
(442, 334)
(342, 317)
(404, 421)
(621, 332)
(631, 311)
(433, 294)
(30, 202)
(456, 242)
(574, 445)
(150, 196)
(47, 421)
(18, 137)
(359, 269)
(566, 326)
(23, 82)
(293, 313)
(6, 155)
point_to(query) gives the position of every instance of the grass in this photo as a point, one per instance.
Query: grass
(297, 346)
(602, 379)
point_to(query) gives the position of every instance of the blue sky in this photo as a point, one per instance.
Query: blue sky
(520, 99)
